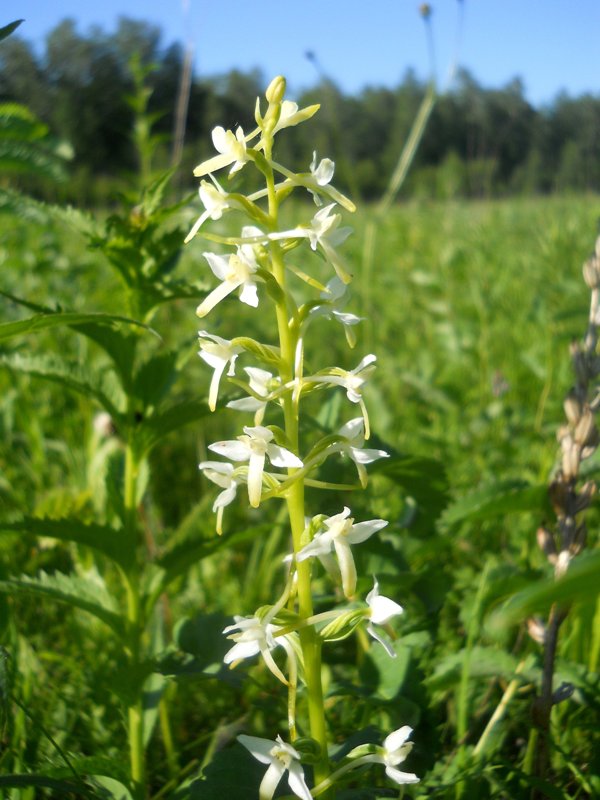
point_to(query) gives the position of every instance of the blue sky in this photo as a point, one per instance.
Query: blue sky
(551, 44)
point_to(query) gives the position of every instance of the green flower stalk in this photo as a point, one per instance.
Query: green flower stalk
(269, 461)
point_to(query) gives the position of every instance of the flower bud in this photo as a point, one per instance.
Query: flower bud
(591, 271)
(571, 458)
(309, 749)
(584, 498)
(341, 627)
(276, 90)
(585, 429)
(562, 563)
(572, 408)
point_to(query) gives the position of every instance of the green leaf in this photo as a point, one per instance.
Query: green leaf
(484, 662)
(63, 788)
(109, 541)
(579, 583)
(8, 29)
(109, 788)
(181, 556)
(155, 377)
(85, 593)
(424, 479)
(53, 319)
(119, 345)
(233, 774)
(151, 431)
(96, 385)
(497, 500)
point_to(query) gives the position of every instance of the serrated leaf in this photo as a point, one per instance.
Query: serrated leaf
(496, 501)
(111, 542)
(79, 592)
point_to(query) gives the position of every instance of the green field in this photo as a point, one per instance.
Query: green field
(470, 308)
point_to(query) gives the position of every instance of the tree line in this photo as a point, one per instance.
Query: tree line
(479, 142)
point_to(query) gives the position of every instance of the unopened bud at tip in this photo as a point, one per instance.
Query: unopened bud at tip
(276, 90)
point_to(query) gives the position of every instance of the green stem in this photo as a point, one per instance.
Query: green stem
(309, 640)
(135, 711)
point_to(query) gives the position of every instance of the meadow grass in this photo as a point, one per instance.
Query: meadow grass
(470, 307)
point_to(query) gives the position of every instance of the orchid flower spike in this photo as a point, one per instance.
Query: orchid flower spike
(280, 757)
(339, 534)
(254, 446)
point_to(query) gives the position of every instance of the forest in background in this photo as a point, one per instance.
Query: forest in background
(479, 142)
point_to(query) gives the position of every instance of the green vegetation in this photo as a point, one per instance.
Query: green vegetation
(471, 308)
(115, 588)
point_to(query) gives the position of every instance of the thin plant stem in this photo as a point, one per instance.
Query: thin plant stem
(499, 712)
(135, 716)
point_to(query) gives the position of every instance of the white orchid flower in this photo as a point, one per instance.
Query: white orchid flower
(231, 148)
(236, 271)
(217, 353)
(321, 173)
(221, 473)
(255, 446)
(280, 757)
(261, 382)
(340, 534)
(322, 232)
(382, 609)
(256, 636)
(352, 381)
(336, 294)
(395, 750)
(354, 431)
(215, 200)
